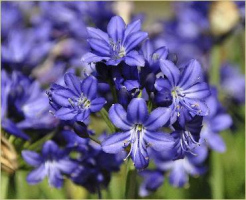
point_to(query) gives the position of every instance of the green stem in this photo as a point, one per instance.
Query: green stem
(216, 176)
(113, 91)
(140, 94)
(95, 140)
(104, 114)
(131, 182)
(150, 106)
(215, 66)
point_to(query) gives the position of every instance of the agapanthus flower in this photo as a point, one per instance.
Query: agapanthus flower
(217, 120)
(52, 162)
(153, 179)
(180, 169)
(139, 129)
(77, 99)
(117, 44)
(233, 82)
(188, 91)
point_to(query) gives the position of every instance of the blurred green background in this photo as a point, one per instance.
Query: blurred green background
(224, 179)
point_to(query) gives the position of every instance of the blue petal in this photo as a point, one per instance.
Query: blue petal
(221, 122)
(89, 87)
(147, 50)
(196, 106)
(191, 75)
(73, 83)
(114, 62)
(117, 115)
(178, 176)
(197, 91)
(11, 128)
(116, 142)
(67, 166)
(137, 111)
(49, 148)
(216, 142)
(37, 175)
(131, 84)
(161, 83)
(83, 116)
(100, 46)
(97, 33)
(32, 158)
(97, 104)
(65, 113)
(134, 59)
(55, 178)
(61, 96)
(159, 141)
(139, 155)
(134, 39)
(116, 28)
(132, 27)
(170, 71)
(201, 154)
(91, 57)
(158, 118)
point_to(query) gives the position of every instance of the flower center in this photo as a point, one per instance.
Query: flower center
(117, 51)
(82, 102)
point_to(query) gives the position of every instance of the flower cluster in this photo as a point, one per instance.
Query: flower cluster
(119, 96)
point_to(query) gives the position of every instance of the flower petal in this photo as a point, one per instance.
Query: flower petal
(55, 178)
(198, 91)
(89, 87)
(137, 111)
(97, 104)
(116, 142)
(67, 166)
(134, 59)
(196, 106)
(221, 122)
(170, 71)
(161, 83)
(116, 28)
(158, 118)
(91, 57)
(49, 147)
(73, 83)
(191, 74)
(147, 50)
(61, 96)
(37, 175)
(99, 46)
(32, 158)
(65, 113)
(97, 33)
(133, 27)
(134, 39)
(118, 117)
(159, 141)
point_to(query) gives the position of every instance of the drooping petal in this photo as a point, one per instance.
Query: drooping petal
(62, 96)
(37, 175)
(72, 83)
(116, 28)
(191, 74)
(198, 91)
(137, 111)
(118, 117)
(159, 141)
(134, 59)
(89, 87)
(100, 46)
(116, 142)
(158, 118)
(55, 178)
(65, 113)
(134, 39)
(170, 71)
(32, 158)
(139, 155)
(97, 33)
(11, 128)
(97, 104)
(221, 122)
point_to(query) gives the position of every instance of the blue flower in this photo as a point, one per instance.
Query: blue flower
(139, 129)
(117, 45)
(185, 89)
(77, 100)
(217, 120)
(153, 179)
(52, 162)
